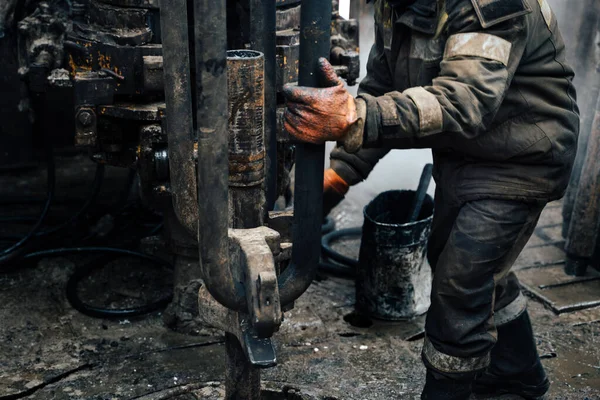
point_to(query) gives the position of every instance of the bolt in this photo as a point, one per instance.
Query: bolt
(85, 118)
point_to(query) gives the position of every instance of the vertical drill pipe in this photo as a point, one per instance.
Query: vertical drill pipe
(246, 92)
(179, 121)
(583, 35)
(315, 30)
(583, 230)
(213, 164)
(246, 95)
(263, 38)
(242, 380)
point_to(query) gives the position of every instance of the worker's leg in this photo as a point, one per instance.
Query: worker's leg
(515, 364)
(472, 248)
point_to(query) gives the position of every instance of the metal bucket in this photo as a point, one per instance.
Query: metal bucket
(393, 277)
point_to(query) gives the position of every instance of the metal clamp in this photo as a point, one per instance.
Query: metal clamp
(254, 250)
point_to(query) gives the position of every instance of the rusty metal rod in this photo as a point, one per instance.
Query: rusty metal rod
(179, 121)
(242, 380)
(263, 18)
(246, 96)
(246, 91)
(213, 165)
(315, 30)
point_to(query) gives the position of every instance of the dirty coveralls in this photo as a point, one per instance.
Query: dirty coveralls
(486, 88)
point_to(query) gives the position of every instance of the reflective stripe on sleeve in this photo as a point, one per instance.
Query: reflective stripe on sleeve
(546, 12)
(431, 119)
(477, 44)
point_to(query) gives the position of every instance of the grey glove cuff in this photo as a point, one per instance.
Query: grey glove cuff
(372, 121)
(355, 136)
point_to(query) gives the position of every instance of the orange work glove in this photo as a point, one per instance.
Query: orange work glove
(334, 190)
(318, 115)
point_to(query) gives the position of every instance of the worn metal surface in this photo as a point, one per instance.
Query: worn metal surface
(585, 219)
(42, 33)
(253, 251)
(263, 39)
(125, 64)
(308, 195)
(134, 3)
(242, 376)
(213, 167)
(178, 124)
(85, 127)
(560, 292)
(115, 25)
(288, 18)
(247, 153)
(153, 73)
(93, 88)
(393, 279)
(242, 379)
(345, 49)
(152, 111)
(288, 54)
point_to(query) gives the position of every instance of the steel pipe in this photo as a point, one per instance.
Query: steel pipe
(315, 30)
(179, 121)
(246, 91)
(263, 38)
(213, 166)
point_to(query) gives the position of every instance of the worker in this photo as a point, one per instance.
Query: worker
(485, 85)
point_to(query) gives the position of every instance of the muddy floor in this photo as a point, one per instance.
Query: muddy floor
(49, 350)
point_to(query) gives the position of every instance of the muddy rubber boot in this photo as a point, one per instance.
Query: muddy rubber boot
(515, 366)
(439, 387)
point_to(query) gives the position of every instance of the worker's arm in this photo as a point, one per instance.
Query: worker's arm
(348, 169)
(353, 168)
(476, 71)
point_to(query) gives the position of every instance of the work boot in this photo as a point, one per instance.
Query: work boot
(515, 365)
(439, 387)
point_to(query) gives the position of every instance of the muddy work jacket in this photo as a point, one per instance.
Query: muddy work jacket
(484, 83)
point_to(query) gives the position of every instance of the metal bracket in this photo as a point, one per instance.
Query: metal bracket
(259, 351)
(85, 126)
(254, 251)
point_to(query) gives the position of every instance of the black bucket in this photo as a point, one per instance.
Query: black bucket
(393, 278)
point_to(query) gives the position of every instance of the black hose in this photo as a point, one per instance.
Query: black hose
(336, 235)
(343, 271)
(87, 270)
(328, 226)
(97, 184)
(17, 249)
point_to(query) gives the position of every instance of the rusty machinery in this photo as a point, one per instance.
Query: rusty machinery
(187, 93)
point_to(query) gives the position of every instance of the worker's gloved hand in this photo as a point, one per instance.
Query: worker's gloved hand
(318, 115)
(334, 190)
